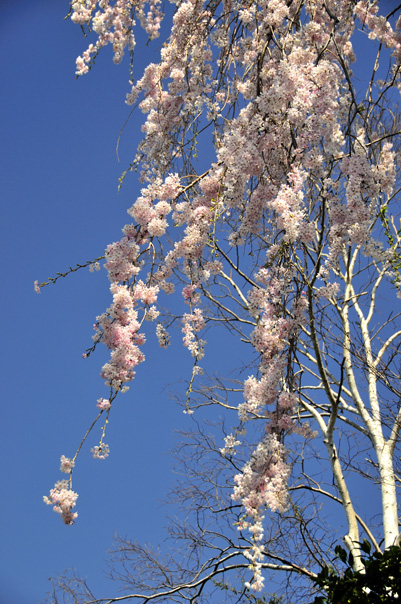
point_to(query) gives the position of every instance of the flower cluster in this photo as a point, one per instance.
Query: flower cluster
(230, 443)
(95, 266)
(193, 323)
(66, 464)
(100, 451)
(118, 328)
(263, 482)
(63, 499)
(163, 336)
(113, 24)
(103, 404)
(121, 259)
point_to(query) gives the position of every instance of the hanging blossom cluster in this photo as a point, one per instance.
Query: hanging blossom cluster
(63, 500)
(119, 328)
(193, 323)
(263, 483)
(62, 497)
(270, 81)
(113, 22)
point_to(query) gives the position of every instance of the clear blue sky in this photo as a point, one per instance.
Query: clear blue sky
(60, 206)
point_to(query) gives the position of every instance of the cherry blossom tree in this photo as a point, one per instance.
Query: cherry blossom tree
(270, 206)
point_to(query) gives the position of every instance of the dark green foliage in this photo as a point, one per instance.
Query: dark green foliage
(381, 581)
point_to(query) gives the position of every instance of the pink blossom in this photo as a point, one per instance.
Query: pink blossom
(192, 324)
(66, 464)
(101, 451)
(103, 404)
(162, 336)
(189, 295)
(63, 499)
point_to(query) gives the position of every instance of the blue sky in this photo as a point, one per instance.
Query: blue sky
(59, 175)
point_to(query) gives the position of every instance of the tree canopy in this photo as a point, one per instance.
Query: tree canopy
(270, 209)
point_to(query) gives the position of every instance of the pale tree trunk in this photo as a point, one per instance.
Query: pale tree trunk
(373, 418)
(389, 494)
